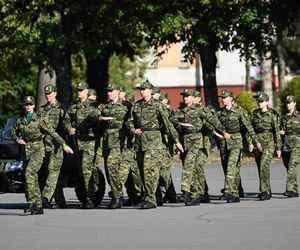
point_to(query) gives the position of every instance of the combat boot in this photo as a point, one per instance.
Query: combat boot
(264, 196)
(88, 204)
(205, 199)
(290, 194)
(234, 199)
(46, 203)
(147, 205)
(193, 202)
(184, 196)
(29, 209)
(116, 203)
(37, 211)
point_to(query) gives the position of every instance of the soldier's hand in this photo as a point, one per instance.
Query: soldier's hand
(68, 150)
(251, 147)
(227, 136)
(278, 152)
(188, 125)
(138, 131)
(180, 147)
(21, 142)
(107, 118)
(72, 131)
(259, 147)
(282, 132)
(219, 135)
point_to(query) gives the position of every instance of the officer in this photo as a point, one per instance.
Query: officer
(233, 118)
(189, 122)
(54, 114)
(81, 119)
(114, 114)
(266, 127)
(290, 132)
(29, 131)
(146, 123)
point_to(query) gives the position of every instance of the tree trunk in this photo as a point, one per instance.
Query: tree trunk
(248, 79)
(97, 75)
(209, 64)
(60, 61)
(266, 69)
(46, 76)
(281, 61)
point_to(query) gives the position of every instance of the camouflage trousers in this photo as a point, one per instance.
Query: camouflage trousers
(130, 175)
(193, 179)
(112, 164)
(165, 177)
(291, 160)
(263, 161)
(149, 163)
(53, 161)
(33, 166)
(231, 159)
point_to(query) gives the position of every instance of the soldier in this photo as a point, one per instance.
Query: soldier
(29, 131)
(233, 118)
(266, 127)
(189, 122)
(146, 123)
(114, 114)
(290, 132)
(92, 95)
(81, 119)
(54, 114)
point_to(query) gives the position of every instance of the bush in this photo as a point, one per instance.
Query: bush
(246, 101)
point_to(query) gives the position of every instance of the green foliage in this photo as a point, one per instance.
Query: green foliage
(292, 88)
(246, 101)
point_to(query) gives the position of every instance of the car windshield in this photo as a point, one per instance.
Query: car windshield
(6, 133)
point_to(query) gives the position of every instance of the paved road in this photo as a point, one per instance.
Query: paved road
(251, 224)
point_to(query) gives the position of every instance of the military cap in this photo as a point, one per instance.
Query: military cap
(262, 97)
(145, 85)
(226, 93)
(290, 98)
(257, 94)
(92, 92)
(187, 92)
(155, 90)
(28, 100)
(82, 86)
(163, 96)
(197, 93)
(49, 89)
(112, 87)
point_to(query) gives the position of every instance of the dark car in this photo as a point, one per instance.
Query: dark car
(12, 178)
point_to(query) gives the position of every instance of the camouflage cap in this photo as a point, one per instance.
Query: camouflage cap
(163, 96)
(187, 92)
(48, 89)
(112, 87)
(289, 99)
(145, 85)
(155, 90)
(82, 86)
(92, 92)
(28, 100)
(262, 97)
(197, 93)
(226, 93)
(257, 94)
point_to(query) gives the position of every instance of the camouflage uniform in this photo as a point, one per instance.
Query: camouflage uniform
(32, 132)
(53, 115)
(234, 121)
(266, 127)
(152, 120)
(291, 148)
(84, 117)
(193, 180)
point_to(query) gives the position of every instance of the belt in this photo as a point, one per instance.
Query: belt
(150, 129)
(191, 131)
(261, 131)
(233, 131)
(34, 139)
(115, 126)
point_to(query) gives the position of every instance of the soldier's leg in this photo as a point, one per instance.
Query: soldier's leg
(87, 172)
(265, 162)
(294, 159)
(54, 166)
(188, 169)
(32, 182)
(198, 182)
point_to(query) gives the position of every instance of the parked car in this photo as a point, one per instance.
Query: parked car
(12, 178)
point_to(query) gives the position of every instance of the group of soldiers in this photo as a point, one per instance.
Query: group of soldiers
(138, 139)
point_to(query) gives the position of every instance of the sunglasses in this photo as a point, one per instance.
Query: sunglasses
(29, 104)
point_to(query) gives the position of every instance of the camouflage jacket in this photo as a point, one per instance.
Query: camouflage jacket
(115, 132)
(154, 123)
(54, 116)
(32, 133)
(197, 116)
(291, 125)
(236, 123)
(266, 127)
(84, 117)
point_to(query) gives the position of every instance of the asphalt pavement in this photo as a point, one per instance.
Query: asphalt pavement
(251, 224)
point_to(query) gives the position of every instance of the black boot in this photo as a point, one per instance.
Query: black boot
(185, 196)
(37, 211)
(233, 199)
(29, 209)
(147, 205)
(291, 194)
(88, 204)
(264, 196)
(116, 203)
(193, 202)
(46, 203)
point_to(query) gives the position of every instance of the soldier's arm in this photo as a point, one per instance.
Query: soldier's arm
(276, 132)
(247, 125)
(213, 120)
